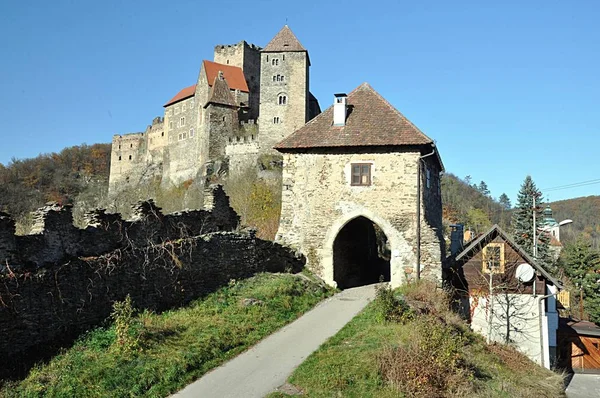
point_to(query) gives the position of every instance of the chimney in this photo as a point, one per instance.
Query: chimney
(221, 77)
(339, 110)
(456, 238)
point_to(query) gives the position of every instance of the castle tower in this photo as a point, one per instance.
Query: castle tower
(247, 57)
(284, 88)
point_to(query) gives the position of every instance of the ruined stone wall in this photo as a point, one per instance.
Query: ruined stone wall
(242, 154)
(55, 239)
(63, 280)
(318, 200)
(52, 305)
(157, 136)
(277, 121)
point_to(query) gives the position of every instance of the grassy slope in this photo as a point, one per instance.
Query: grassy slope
(438, 356)
(174, 348)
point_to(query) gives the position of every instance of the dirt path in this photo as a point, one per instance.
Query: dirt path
(267, 365)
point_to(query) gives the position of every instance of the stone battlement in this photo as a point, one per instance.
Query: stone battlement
(55, 239)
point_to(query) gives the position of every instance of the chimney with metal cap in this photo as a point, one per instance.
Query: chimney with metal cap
(339, 110)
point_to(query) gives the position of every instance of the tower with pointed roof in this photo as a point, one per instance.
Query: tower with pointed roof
(284, 93)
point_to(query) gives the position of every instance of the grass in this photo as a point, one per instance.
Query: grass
(425, 350)
(153, 355)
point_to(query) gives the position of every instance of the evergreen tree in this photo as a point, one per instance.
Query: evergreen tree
(504, 200)
(483, 188)
(522, 224)
(581, 264)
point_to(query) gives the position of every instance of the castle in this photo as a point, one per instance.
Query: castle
(244, 102)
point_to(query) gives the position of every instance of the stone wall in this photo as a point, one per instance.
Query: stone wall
(127, 160)
(63, 281)
(318, 201)
(55, 239)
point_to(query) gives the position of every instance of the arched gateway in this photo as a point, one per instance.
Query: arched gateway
(352, 179)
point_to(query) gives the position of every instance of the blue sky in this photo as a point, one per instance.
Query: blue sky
(505, 88)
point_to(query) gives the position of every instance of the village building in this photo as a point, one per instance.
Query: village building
(505, 295)
(361, 194)
(243, 102)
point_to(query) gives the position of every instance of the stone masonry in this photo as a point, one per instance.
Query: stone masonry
(267, 99)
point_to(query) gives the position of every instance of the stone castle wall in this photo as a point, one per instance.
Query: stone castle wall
(63, 281)
(318, 201)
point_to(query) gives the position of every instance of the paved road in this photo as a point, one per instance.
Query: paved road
(584, 386)
(267, 365)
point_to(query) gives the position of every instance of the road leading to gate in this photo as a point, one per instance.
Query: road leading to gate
(267, 365)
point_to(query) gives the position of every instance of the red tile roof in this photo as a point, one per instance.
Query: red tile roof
(233, 74)
(371, 121)
(285, 40)
(183, 94)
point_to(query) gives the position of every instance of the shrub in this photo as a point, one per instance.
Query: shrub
(390, 308)
(429, 364)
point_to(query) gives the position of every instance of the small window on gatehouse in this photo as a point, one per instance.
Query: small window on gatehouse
(361, 174)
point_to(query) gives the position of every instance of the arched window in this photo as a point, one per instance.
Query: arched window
(282, 99)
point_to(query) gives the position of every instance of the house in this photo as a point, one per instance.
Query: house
(505, 295)
(579, 346)
(361, 196)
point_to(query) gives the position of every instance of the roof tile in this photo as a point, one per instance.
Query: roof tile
(371, 121)
(183, 94)
(285, 40)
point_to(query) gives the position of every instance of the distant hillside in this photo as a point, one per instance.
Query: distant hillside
(585, 213)
(471, 204)
(27, 184)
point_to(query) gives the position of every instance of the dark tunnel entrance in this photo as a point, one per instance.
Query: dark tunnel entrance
(361, 254)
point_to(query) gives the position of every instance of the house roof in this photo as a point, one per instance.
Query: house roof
(285, 40)
(494, 231)
(233, 74)
(183, 94)
(371, 121)
(220, 93)
(579, 327)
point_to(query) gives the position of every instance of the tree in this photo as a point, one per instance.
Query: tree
(581, 264)
(522, 224)
(504, 200)
(483, 188)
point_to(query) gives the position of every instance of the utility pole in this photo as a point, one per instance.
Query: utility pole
(491, 302)
(534, 230)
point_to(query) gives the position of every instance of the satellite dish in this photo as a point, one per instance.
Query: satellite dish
(525, 272)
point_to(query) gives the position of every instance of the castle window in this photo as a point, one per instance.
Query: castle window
(130, 145)
(176, 110)
(184, 135)
(170, 125)
(282, 77)
(119, 146)
(162, 134)
(493, 258)
(119, 158)
(223, 118)
(227, 62)
(276, 119)
(183, 107)
(427, 177)
(274, 78)
(282, 100)
(129, 157)
(182, 122)
(275, 61)
(361, 174)
(180, 136)
(191, 132)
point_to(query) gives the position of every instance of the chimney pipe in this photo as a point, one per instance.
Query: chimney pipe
(339, 109)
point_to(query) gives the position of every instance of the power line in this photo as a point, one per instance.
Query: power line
(573, 185)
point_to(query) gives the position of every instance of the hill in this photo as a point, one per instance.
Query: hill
(585, 213)
(27, 184)
(471, 204)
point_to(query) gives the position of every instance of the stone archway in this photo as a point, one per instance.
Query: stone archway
(361, 254)
(401, 253)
